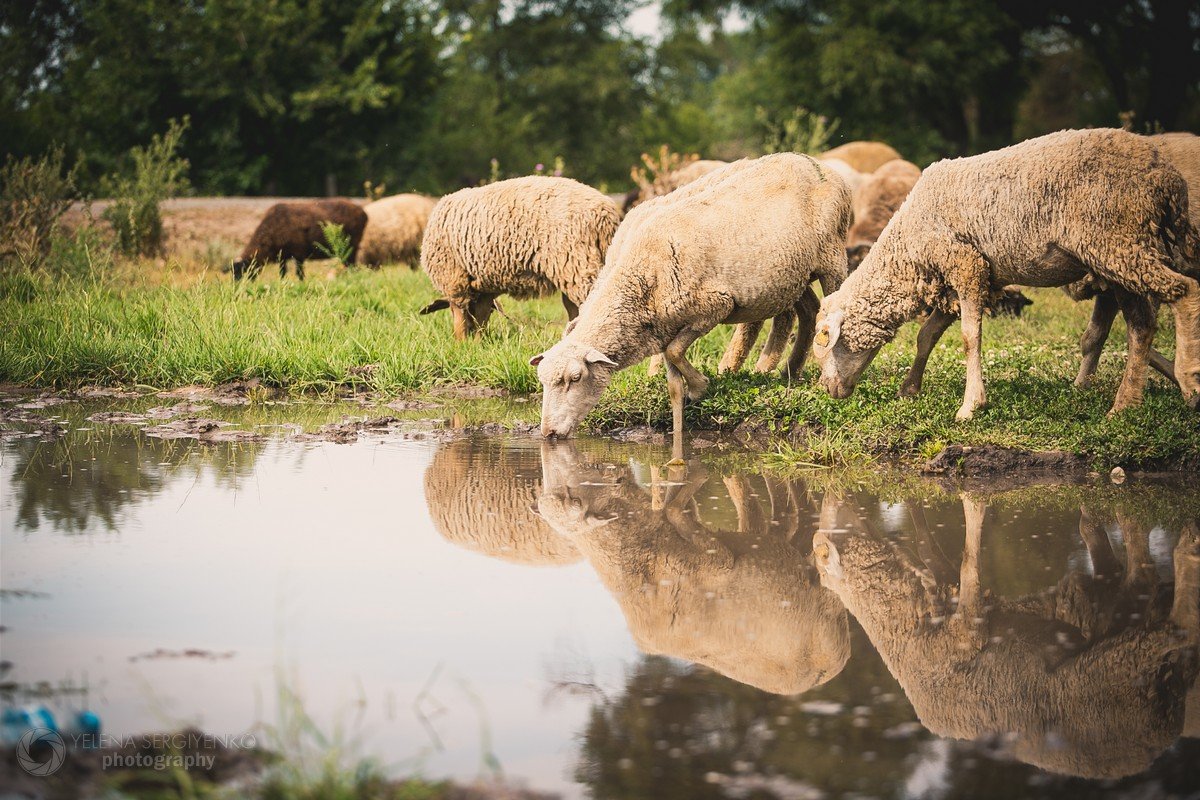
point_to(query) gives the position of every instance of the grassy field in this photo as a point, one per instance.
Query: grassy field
(168, 325)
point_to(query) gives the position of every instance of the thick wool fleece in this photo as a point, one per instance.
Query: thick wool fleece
(395, 226)
(1045, 212)
(863, 156)
(741, 244)
(878, 199)
(524, 237)
(293, 230)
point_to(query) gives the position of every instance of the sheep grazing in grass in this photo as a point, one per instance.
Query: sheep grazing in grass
(294, 231)
(864, 157)
(1046, 212)
(480, 496)
(1182, 150)
(395, 226)
(668, 183)
(875, 202)
(1088, 679)
(525, 237)
(741, 245)
(744, 602)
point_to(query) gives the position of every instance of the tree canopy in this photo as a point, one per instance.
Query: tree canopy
(317, 96)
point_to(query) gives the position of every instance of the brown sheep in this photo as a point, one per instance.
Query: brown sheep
(863, 156)
(293, 231)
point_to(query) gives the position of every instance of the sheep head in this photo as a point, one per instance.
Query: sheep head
(840, 366)
(573, 377)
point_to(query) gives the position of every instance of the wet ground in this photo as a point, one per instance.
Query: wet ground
(580, 619)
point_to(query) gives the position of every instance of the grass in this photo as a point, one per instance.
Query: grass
(170, 324)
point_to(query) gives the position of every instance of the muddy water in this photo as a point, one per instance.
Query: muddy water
(580, 619)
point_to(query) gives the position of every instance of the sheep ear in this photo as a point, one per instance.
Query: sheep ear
(828, 331)
(594, 356)
(533, 362)
(436, 305)
(570, 326)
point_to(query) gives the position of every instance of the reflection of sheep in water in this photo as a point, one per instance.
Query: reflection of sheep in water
(743, 603)
(1081, 685)
(480, 496)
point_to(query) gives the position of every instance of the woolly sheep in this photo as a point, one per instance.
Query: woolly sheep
(524, 237)
(875, 202)
(480, 495)
(395, 226)
(293, 231)
(1070, 688)
(1046, 212)
(742, 245)
(853, 178)
(670, 182)
(689, 590)
(1182, 150)
(862, 156)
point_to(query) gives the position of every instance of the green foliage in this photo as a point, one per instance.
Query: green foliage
(337, 243)
(801, 131)
(34, 194)
(156, 174)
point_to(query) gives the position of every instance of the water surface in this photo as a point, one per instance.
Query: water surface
(580, 618)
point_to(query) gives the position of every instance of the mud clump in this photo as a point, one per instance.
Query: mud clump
(201, 429)
(994, 460)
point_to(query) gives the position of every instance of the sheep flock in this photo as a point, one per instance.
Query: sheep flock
(1102, 213)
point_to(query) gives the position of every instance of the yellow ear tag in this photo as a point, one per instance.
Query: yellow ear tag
(822, 338)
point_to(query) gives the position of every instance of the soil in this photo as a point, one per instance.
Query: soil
(990, 460)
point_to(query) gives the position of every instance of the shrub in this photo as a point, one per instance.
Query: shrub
(337, 242)
(158, 174)
(34, 194)
(800, 132)
(657, 168)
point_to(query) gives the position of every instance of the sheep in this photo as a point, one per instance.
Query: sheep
(875, 202)
(293, 231)
(524, 237)
(853, 178)
(742, 245)
(864, 157)
(480, 494)
(1073, 687)
(1046, 212)
(395, 226)
(1182, 150)
(665, 184)
(689, 590)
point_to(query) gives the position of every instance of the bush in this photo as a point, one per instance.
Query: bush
(800, 132)
(158, 174)
(337, 242)
(34, 194)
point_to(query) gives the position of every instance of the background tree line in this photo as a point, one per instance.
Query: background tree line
(315, 96)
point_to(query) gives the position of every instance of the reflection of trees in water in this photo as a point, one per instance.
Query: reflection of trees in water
(87, 478)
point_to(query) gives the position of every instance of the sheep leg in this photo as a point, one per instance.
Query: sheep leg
(749, 512)
(931, 331)
(1091, 344)
(683, 380)
(806, 328)
(282, 268)
(1140, 325)
(970, 599)
(1099, 547)
(1185, 609)
(1139, 563)
(300, 269)
(654, 365)
(972, 332)
(772, 352)
(471, 317)
(744, 336)
(1187, 342)
(572, 309)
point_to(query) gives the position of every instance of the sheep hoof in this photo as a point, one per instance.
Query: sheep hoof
(965, 413)
(910, 390)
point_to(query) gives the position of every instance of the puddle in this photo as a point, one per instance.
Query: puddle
(580, 619)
